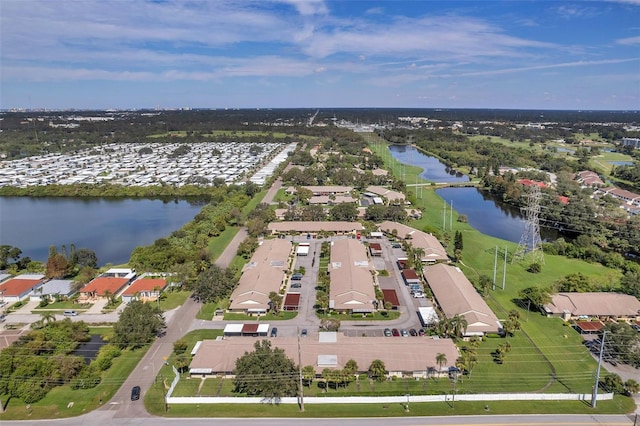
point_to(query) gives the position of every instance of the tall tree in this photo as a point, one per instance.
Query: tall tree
(138, 325)
(215, 283)
(458, 244)
(84, 257)
(57, 266)
(266, 372)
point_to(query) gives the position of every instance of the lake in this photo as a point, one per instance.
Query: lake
(112, 228)
(433, 169)
(485, 213)
(488, 215)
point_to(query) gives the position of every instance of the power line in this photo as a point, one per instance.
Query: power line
(530, 241)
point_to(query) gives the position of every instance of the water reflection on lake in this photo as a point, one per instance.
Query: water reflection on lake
(488, 215)
(433, 169)
(112, 228)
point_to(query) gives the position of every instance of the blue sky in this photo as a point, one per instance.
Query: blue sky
(314, 53)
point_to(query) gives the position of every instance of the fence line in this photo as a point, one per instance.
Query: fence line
(391, 399)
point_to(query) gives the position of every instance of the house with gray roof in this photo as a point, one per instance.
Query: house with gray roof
(53, 289)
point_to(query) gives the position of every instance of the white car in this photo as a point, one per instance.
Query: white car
(419, 295)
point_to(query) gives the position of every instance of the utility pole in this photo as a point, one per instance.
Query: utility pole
(300, 372)
(504, 273)
(444, 216)
(495, 266)
(594, 398)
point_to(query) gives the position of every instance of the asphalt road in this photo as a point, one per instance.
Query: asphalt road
(102, 418)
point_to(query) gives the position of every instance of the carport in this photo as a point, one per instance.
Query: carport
(291, 302)
(392, 297)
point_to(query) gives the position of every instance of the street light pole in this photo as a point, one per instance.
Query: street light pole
(594, 397)
(300, 372)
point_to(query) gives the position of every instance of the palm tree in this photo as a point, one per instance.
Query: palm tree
(463, 324)
(459, 325)
(377, 370)
(351, 367)
(418, 252)
(632, 386)
(441, 360)
(444, 327)
(47, 317)
(308, 374)
(107, 295)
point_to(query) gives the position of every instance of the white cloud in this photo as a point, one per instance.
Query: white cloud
(309, 7)
(629, 40)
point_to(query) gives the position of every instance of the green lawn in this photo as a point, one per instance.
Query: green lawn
(284, 315)
(67, 304)
(219, 243)
(206, 311)
(618, 405)
(174, 299)
(602, 163)
(282, 196)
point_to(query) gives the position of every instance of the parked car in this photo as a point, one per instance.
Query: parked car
(421, 332)
(387, 332)
(413, 332)
(418, 295)
(274, 332)
(303, 333)
(297, 276)
(395, 332)
(396, 245)
(135, 393)
(404, 333)
(296, 285)
(70, 313)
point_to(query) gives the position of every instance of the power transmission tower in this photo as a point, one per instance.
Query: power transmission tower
(530, 242)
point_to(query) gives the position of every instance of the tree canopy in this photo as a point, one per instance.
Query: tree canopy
(266, 372)
(215, 283)
(138, 325)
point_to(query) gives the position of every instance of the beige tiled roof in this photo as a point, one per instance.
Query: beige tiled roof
(457, 296)
(399, 354)
(389, 194)
(308, 226)
(351, 286)
(262, 275)
(433, 250)
(594, 304)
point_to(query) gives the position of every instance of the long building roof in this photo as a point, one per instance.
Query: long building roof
(594, 304)
(308, 226)
(457, 296)
(262, 275)
(433, 250)
(406, 354)
(387, 193)
(351, 286)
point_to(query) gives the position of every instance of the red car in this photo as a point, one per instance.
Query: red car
(395, 332)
